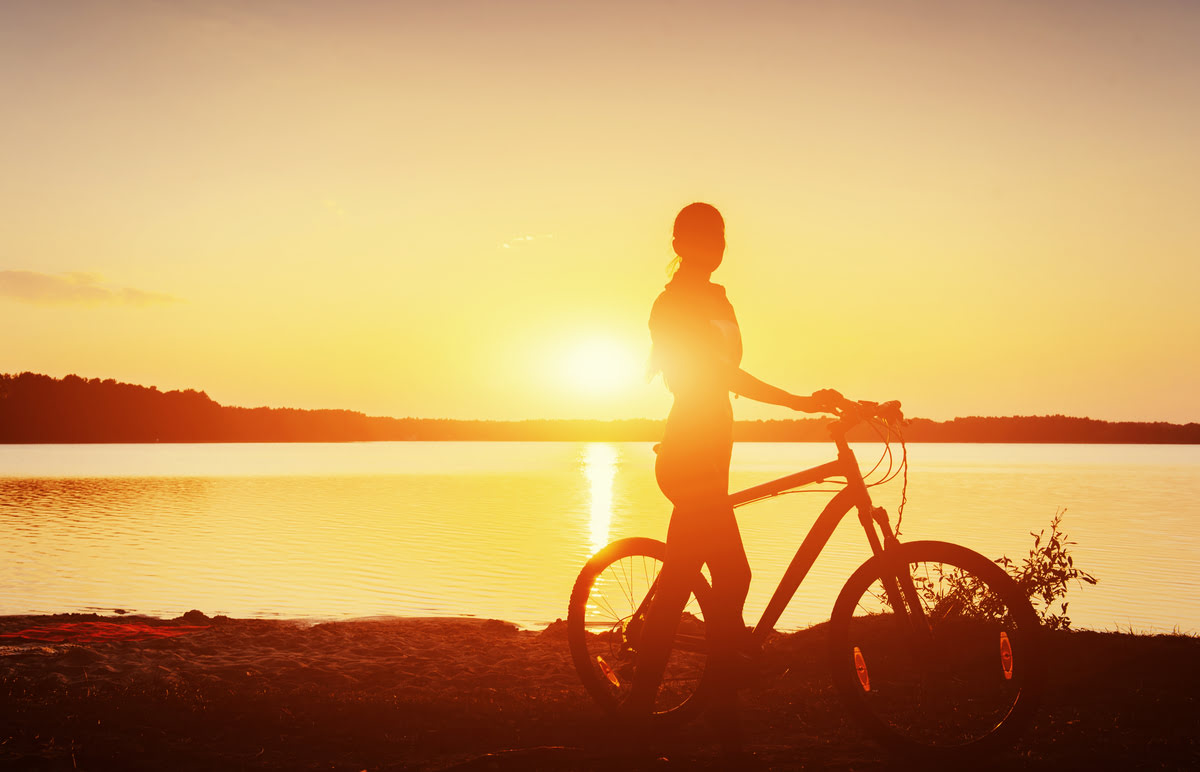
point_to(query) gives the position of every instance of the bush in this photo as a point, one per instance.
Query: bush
(1046, 575)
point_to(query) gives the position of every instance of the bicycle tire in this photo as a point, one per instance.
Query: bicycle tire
(965, 683)
(603, 625)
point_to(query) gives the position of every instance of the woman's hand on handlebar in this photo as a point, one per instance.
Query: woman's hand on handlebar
(828, 399)
(822, 401)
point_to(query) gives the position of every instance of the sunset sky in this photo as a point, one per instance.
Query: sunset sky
(463, 209)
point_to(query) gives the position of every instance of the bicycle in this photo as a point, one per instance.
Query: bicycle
(933, 648)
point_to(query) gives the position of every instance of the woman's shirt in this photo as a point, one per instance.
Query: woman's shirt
(696, 343)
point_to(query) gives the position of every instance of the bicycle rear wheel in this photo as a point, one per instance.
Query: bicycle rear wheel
(940, 666)
(608, 606)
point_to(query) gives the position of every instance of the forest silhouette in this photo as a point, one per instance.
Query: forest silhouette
(37, 408)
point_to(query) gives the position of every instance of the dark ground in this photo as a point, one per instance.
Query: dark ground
(480, 695)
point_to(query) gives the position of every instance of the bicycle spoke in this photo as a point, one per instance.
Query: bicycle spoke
(604, 596)
(628, 586)
(612, 613)
(616, 615)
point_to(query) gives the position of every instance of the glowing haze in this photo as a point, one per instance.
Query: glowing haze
(463, 209)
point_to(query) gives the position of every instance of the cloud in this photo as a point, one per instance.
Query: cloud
(74, 289)
(519, 240)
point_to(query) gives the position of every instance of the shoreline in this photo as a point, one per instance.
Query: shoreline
(303, 623)
(202, 692)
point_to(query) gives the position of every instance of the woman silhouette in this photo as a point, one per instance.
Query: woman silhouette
(698, 348)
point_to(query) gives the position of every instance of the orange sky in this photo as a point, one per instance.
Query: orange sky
(463, 209)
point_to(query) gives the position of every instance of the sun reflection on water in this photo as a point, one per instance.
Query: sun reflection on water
(600, 467)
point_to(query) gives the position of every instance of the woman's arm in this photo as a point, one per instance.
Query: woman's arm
(745, 384)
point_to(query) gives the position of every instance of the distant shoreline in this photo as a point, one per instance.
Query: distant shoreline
(38, 409)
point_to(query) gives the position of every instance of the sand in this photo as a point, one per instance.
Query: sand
(122, 692)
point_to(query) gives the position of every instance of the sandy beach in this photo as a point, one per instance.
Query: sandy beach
(125, 692)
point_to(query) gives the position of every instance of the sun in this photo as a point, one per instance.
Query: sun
(599, 366)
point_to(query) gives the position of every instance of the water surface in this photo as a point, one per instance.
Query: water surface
(497, 529)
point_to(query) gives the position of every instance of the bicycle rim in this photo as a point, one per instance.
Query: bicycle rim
(949, 667)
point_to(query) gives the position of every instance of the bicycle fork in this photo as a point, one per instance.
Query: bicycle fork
(897, 580)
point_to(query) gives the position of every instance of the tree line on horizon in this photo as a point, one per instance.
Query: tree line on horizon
(37, 408)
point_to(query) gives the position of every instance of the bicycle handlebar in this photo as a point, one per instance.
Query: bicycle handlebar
(862, 410)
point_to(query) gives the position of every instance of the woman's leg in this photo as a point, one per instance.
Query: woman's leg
(675, 582)
(703, 529)
(689, 482)
(696, 537)
(730, 572)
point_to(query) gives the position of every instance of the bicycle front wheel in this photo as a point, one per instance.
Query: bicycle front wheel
(609, 603)
(936, 651)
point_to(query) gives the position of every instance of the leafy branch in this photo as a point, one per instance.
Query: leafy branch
(1047, 574)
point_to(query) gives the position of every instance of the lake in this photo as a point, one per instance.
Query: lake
(498, 529)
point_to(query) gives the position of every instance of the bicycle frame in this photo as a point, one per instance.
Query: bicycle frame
(854, 495)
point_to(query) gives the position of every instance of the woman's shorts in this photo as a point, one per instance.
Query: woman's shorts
(692, 476)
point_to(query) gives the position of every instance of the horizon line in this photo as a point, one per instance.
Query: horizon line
(807, 417)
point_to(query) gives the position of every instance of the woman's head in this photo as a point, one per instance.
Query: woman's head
(699, 237)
